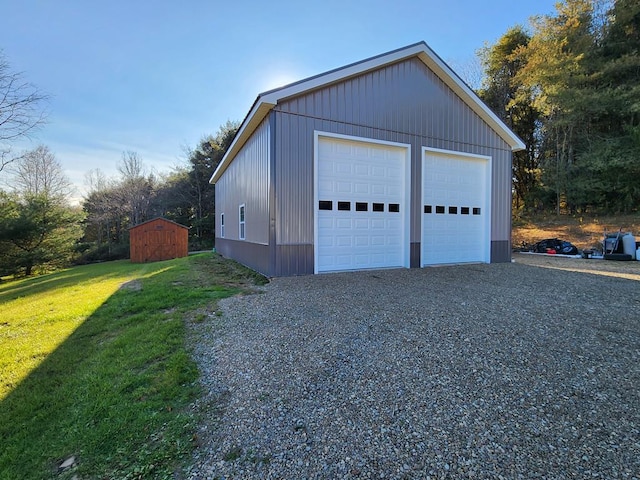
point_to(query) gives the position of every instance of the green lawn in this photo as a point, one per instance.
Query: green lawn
(93, 365)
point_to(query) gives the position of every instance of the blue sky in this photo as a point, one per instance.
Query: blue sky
(155, 76)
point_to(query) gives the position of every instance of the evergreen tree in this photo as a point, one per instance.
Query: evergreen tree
(512, 101)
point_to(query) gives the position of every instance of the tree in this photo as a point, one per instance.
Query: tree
(39, 172)
(612, 159)
(557, 71)
(512, 101)
(103, 210)
(136, 188)
(202, 162)
(21, 110)
(37, 226)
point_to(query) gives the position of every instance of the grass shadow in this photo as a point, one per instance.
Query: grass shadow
(115, 394)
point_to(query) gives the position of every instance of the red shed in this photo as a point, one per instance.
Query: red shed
(158, 239)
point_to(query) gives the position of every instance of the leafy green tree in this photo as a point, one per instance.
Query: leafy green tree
(612, 159)
(37, 230)
(557, 72)
(512, 101)
(203, 161)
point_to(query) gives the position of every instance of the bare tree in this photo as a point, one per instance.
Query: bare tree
(21, 110)
(103, 207)
(469, 70)
(131, 166)
(136, 187)
(39, 173)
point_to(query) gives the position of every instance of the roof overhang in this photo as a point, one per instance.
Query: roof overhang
(267, 100)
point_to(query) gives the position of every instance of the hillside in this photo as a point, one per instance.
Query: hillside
(583, 231)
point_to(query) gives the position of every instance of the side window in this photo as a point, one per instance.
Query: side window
(222, 225)
(241, 222)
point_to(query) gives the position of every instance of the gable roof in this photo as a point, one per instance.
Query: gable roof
(161, 219)
(269, 99)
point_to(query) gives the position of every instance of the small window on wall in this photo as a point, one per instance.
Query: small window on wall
(222, 225)
(241, 222)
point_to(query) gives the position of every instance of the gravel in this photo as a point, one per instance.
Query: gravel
(475, 371)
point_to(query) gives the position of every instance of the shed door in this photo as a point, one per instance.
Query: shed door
(456, 215)
(361, 205)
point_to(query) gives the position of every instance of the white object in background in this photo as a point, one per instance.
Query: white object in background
(629, 245)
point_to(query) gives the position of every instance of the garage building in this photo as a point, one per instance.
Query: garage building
(389, 162)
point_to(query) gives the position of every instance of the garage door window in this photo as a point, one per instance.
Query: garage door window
(325, 205)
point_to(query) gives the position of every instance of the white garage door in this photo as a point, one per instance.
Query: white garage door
(456, 212)
(361, 205)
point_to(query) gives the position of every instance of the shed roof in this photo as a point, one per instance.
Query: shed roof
(269, 99)
(159, 218)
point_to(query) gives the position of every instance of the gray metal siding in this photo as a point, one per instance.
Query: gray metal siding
(405, 103)
(253, 255)
(246, 181)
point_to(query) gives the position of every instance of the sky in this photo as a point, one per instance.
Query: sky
(154, 77)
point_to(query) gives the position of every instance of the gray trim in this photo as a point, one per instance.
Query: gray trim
(415, 254)
(253, 255)
(500, 251)
(294, 260)
(273, 182)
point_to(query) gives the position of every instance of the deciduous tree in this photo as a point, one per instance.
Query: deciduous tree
(21, 110)
(512, 101)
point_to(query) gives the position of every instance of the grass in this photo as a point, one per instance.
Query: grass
(93, 365)
(581, 230)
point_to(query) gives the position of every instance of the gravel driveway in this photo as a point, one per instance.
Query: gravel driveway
(478, 371)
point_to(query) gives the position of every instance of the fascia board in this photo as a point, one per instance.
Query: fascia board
(259, 111)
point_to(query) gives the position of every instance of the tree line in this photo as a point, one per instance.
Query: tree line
(39, 229)
(570, 88)
(184, 195)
